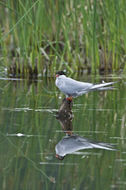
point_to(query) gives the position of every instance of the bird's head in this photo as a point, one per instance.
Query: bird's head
(59, 73)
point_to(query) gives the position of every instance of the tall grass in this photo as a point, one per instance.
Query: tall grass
(44, 36)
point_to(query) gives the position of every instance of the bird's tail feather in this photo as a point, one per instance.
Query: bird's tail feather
(107, 88)
(98, 86)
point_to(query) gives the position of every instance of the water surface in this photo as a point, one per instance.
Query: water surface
(29, 132)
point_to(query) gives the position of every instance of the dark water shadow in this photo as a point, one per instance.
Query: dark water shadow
(72, 143)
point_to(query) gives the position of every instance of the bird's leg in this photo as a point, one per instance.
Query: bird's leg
(69, 98)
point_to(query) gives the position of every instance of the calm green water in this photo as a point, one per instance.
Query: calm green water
(29, 132)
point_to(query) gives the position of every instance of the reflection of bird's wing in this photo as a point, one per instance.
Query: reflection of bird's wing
(93, 144)
(104, 146)
(72, 86)
(71, 144)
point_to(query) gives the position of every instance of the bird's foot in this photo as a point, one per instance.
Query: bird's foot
(70, 98)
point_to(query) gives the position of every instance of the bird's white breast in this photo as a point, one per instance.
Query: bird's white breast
(60, 81)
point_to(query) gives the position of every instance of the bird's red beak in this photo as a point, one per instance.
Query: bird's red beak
(57, 75)
(57, 156)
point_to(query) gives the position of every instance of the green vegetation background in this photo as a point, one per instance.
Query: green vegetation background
(45, 35)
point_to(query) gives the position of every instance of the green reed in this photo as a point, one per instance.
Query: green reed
(44, 36)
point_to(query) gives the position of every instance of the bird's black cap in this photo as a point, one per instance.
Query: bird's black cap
(60, 73)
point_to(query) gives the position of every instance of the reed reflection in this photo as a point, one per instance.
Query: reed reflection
(72, 143)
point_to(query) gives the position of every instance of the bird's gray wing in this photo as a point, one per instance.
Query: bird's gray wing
(72, 86)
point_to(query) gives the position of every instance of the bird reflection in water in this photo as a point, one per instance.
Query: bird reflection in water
(71, 143)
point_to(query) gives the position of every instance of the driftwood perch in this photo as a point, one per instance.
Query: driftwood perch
(65, 116)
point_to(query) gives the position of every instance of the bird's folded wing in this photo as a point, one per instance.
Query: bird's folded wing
(74, 85)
